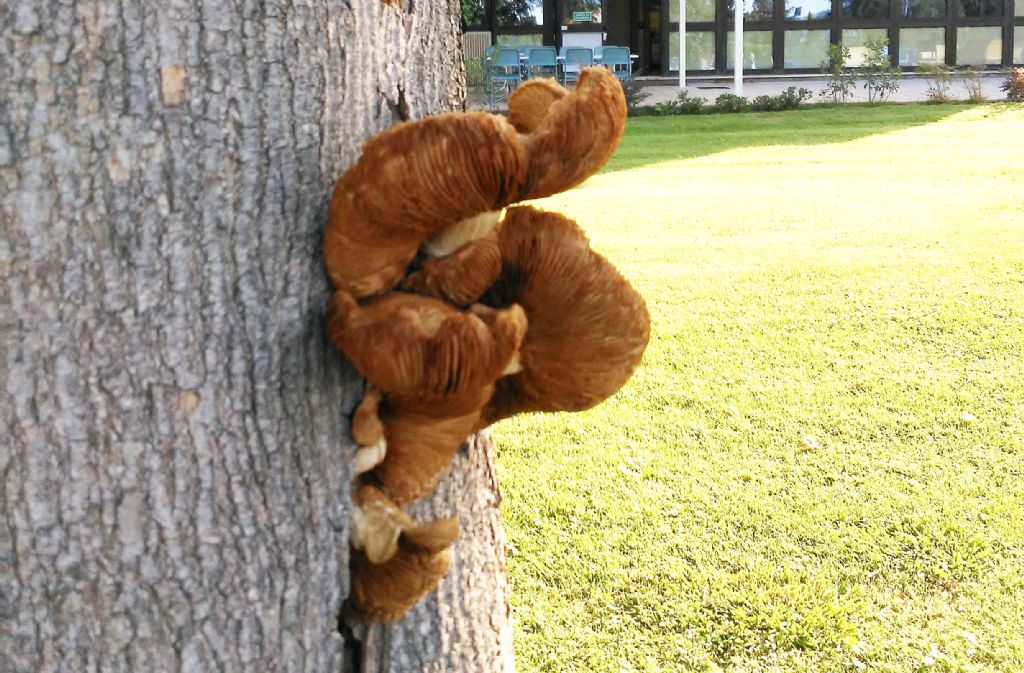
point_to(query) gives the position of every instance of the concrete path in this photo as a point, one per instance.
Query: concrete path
(912, 88)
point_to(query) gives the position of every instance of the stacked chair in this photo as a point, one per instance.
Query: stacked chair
(541, 62)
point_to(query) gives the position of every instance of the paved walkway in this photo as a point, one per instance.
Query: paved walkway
(912, 88)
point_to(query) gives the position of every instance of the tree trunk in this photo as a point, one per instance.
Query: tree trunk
(175, 484)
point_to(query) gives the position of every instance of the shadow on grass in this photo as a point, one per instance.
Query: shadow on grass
(651, 140)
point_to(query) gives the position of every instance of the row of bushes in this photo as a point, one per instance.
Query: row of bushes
(685, 104)
(938, 78)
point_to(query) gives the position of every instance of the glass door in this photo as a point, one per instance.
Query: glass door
(581, 23)
(653, 37)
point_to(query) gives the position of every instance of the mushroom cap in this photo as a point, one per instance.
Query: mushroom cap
(568, 137)
(378, 522)
(411, 181)
(588, 327)
(396, 560)
(530, 103)
(417, 346)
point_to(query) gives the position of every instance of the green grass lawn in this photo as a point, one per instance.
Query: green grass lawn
(820, 464)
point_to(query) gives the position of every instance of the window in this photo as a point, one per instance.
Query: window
(757, 50)
(532, 40)
(981, 45)
(866, 9)
(580, 12)
(806, 48)
(808, 10)
(519, 12)
(753, 10)
(980, 8)
(472, 13)
(923, 9)
(696, 10)
(1018, 40)
(700, 49)
(855, 38)
(922, 45)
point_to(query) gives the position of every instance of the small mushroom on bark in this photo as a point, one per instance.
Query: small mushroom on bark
(588, 327)
(420, 443)
(395, 561)
(368, 431)
(409, 441)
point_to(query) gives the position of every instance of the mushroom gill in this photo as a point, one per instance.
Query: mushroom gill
(588, 327)
(411, 345)
(412, 181)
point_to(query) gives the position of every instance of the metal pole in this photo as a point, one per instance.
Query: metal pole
(682, 43)
(737, 52)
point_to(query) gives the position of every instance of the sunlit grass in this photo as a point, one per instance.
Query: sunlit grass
(855, 285)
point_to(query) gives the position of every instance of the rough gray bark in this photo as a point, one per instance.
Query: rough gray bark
(475, 589)
(174, 480)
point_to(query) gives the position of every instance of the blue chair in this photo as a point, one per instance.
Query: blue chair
(574, 59)
(617, 60)
(526, 49)
(541, 62)
(505, 73)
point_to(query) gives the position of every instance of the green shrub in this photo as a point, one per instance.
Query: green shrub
(1014, 85)
(937, 78)
(765, 103)
(730, 102)
(644, 111)
(634, 96)
(683, 104)
(475, 72)
(691, 105)
(881, 79)
(790, 99)
(972, 82)
(839, 82)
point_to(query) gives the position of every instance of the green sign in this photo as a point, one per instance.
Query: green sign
(582, 16)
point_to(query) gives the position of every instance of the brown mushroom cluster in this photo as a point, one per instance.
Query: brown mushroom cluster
(460, 310)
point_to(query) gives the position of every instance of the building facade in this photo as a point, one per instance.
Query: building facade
(778, 35)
